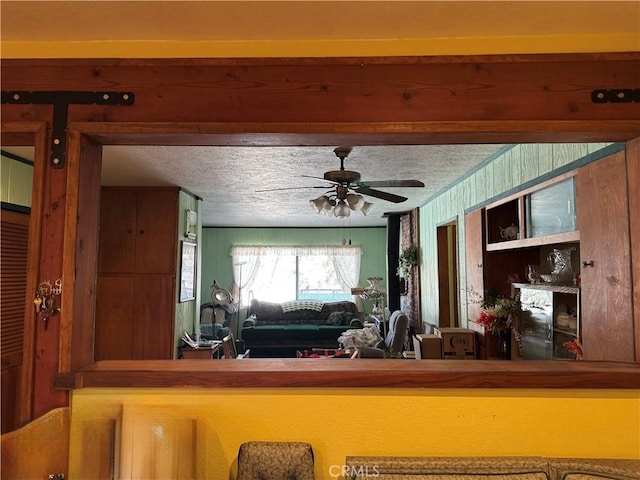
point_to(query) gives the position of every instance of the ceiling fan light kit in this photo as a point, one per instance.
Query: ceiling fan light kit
(348, 191)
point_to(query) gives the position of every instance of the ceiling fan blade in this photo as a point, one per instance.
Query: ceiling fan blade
(326, 187)
(390, 197)
(392, 183)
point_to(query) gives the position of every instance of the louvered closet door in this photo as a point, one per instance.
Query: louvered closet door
(13, 278)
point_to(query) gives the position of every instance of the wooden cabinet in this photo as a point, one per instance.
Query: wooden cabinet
(601, 257)
(605, 263)
(135, 294)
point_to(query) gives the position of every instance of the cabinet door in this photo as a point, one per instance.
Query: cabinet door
(116, 241)
(114, 317)
(153, 313)
(156, 231)
(603, 220)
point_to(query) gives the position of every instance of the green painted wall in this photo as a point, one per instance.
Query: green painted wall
(186, 312)
(515, 169)
(217, 242)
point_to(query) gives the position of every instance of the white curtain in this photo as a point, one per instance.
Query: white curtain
(247, 260)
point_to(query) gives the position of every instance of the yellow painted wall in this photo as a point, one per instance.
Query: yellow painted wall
(340, 422)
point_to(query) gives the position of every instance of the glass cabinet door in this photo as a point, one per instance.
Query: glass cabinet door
(551, 210)
(536, 324)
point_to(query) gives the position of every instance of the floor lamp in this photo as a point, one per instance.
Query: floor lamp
(239, 264)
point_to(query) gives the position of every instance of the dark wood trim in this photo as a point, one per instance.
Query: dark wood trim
(312, 101)
(334, 373)
(358, 133)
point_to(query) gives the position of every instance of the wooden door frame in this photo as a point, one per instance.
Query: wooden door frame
(449, 273)
(35, 134)
(261, 102)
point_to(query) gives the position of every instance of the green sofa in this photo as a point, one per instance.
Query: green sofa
(282, 329)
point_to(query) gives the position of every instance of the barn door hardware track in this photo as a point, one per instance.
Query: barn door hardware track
(61, 101)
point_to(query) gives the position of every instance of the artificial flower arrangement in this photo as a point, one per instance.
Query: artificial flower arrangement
(574, 347)
(499, 313)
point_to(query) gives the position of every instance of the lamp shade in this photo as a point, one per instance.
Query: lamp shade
(355, 201)
(366, 208)
(319, 203)
(342, 210)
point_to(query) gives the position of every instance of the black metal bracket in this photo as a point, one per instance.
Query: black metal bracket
(618, 95)
(61, 101)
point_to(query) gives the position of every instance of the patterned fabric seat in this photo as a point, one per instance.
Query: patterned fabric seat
(275, 461)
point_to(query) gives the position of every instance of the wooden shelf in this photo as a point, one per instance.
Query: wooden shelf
(567, 237)
(549, 287)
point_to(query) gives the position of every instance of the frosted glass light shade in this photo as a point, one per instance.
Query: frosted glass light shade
(342, 210)
(318, 204)
(366, 208)
(355, 201)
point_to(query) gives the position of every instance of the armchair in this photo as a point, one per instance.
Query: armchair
(393, 344)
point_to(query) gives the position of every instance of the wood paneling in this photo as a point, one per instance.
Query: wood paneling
(603, 219)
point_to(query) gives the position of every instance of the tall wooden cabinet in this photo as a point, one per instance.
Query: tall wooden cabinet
(601, 257)
(605, 260)
(135, 292)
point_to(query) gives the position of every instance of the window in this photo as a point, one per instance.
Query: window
(283, 273)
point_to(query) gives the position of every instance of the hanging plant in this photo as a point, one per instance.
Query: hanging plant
(407, 260)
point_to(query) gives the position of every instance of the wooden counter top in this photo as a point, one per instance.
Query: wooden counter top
(353, 373)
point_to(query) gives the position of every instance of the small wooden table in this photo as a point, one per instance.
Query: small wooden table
(202, 352)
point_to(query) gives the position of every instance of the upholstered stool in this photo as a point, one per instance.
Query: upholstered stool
(275, 461)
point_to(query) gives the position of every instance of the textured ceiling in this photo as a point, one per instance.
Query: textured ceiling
(229, 179)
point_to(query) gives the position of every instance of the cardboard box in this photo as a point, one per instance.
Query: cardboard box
(457, 343)
(427, 346)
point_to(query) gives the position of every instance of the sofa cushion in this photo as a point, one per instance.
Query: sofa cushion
(301, 332)
(264, 332)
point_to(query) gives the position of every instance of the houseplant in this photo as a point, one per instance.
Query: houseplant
(407, 260)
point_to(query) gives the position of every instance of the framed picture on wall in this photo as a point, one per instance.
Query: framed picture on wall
(188, 272)
(191, 224)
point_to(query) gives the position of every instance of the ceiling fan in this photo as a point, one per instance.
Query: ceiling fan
(351, 180)
(347, 190)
